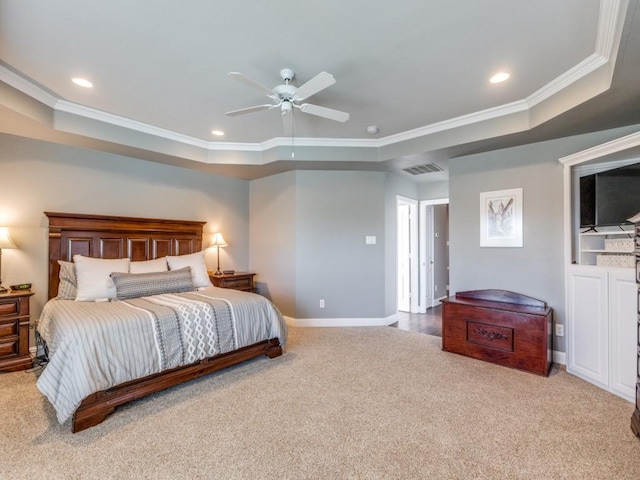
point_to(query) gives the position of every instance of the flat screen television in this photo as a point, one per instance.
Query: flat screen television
(609, 198)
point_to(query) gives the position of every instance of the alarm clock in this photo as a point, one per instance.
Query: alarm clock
(21, 286)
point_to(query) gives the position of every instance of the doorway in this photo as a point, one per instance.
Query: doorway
(434, 251)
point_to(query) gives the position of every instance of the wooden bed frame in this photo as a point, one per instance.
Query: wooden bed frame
(139, 239)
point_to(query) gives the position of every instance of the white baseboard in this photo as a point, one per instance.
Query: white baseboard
(341, 322)
(559, 357)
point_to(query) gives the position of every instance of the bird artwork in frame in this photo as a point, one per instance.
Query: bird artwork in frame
(501, 218)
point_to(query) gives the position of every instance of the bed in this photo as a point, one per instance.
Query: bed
(164, 326)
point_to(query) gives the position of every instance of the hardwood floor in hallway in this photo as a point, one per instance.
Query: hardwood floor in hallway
(429, 323)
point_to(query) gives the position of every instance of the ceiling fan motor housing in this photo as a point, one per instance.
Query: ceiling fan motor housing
(285, 92)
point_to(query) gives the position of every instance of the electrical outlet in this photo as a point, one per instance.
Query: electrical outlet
(559, 330)
(322, 303)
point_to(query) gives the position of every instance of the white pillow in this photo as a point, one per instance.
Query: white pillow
(93, 275)
(198, 267)
(149, 266)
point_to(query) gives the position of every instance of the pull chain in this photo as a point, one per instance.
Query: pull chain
(293, 133)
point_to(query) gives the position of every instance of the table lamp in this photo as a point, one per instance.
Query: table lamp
(218, 241)
(5, 242)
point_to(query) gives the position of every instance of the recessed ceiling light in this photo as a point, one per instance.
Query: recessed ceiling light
(372, 129)
(83, 82)
(217, 133)
(499, 77)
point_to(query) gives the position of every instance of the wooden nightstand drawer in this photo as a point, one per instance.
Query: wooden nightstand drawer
(14, 330)
(6, 329)
(236, 281)
(9, 346)
(9, 308)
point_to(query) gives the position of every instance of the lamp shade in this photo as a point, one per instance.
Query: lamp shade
(5, 239)
(218, 240)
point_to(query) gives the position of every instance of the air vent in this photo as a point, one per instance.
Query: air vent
(421, 169)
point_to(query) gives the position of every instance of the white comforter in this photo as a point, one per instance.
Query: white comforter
(95, 346)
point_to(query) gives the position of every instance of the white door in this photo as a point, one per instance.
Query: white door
(404, 258)
(407, 246)
(587, 327)
(426, 256)
(623, 293)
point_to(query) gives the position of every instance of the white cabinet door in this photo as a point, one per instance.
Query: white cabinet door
(622, 330)
(587, 324)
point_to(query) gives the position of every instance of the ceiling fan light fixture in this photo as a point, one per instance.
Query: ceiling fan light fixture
(286, 107)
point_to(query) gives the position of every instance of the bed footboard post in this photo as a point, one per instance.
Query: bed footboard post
(274, 349)
(91, 412)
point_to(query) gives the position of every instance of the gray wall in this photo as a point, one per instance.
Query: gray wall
(537, 269)
(38, 176)
(324, 217)
(433, 190)
(335, 212)
(394, 186)
(273, 238)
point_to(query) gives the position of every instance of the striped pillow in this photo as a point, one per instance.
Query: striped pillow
(68, 285)
(133, 285)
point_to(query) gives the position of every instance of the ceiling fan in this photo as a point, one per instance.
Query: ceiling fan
(287, 96)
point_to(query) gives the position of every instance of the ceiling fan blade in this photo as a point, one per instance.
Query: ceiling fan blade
(242, 111)
(252, 83)
(325, 112)
(313, 86)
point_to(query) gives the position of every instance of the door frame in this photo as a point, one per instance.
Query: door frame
(414, 284)
(426, 252)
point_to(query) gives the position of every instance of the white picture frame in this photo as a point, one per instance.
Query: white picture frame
(501, 218)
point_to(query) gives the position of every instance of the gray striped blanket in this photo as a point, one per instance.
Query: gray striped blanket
(95, 346)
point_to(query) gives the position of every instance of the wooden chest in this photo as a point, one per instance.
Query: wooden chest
(499, 327)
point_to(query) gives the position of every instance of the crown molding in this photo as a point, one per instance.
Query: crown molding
(614, 146)
(610, 23)
(23, 85)
(127, 123)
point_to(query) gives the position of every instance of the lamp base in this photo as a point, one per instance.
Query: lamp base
(218, 272)
(3, 289)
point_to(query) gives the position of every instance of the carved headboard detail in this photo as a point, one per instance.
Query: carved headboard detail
(103, 236)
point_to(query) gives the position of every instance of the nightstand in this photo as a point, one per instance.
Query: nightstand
(14, 330)
(237, 281)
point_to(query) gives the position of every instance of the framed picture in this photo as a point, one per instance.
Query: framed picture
(501, 218)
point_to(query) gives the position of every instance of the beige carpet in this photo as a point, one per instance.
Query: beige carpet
(340, 403)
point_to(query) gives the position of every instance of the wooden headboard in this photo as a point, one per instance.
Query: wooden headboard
(103, 236)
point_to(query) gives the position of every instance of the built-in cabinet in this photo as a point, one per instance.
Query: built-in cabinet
(601, 327)
(607, 247)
